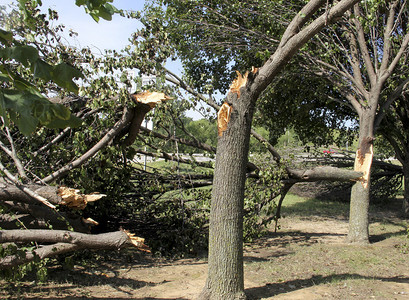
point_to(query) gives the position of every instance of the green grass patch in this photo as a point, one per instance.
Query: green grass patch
(295, 205)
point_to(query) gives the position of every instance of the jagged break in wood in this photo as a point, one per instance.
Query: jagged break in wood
(241, 81)
(223, 118)
(74, 199)
(138, 242)
(150, 98)
(145, 101)
(363, 164)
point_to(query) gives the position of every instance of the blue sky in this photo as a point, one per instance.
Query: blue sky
(98, 36)
(103, 35)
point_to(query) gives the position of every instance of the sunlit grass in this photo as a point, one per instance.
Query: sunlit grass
(295, 205)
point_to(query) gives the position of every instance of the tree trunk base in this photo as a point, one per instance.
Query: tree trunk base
(207, 294)
(357, 241)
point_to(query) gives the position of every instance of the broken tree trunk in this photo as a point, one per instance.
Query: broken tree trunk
(358, 232)
(225, 268)
(64, 241)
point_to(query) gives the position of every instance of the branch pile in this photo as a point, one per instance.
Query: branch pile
(26, 220)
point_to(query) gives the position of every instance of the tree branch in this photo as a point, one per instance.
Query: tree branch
(387, 42)
(25, 189)
(66, 241)
(109, 136)
(362, 45)
(323, 173)
(294, 42)
(13, 154)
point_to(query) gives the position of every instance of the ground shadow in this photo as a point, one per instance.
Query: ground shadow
(276, 244)
(374, 238)
(79, 279)
(274, 289)
(102, 298)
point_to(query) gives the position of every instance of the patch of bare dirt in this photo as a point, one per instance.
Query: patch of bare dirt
(306, 259)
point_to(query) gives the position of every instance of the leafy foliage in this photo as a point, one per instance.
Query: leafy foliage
(98, 8)
(23, 74)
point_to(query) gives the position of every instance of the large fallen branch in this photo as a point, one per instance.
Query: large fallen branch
(57, 195)
(175, 158)
(323, 173)
(65, 241)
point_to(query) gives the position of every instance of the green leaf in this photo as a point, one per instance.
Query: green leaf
(104, 13)
(26, 123)
(42, 70)
(72, 122)
(6, 36)
(61, 112)
(4, 78)
(28, 109)
(79, 2)
(23, 54)
(3, 108)
(64, 75)
(21, 103)
(98, 8)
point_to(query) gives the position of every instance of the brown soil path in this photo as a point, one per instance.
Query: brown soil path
(307, 259)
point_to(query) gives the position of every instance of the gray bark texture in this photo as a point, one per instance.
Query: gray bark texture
(358, 232)
(64, 241)
(360, 196)
(323, 173)
(9, 192)
(405, 204)
(225, 277)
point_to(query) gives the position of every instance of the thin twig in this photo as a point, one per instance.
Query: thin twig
(12, 153)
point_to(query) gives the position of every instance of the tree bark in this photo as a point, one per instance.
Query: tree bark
(405, 204)
(323, 173)
(35, 216)
(9, 192)
(359, 207)
(225, 267)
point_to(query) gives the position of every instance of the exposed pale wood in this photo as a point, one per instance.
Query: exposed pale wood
(74, 199)
(223, 117)
(364, 165)
(56, 195)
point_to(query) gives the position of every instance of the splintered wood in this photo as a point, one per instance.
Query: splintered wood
(223, 118)
(138, 242)
(74, 199)
(363, 164)
(240, 81)
(150, 98)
